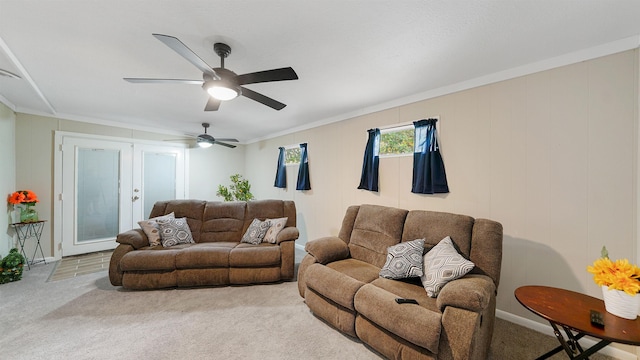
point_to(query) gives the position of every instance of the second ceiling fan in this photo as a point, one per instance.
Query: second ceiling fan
(221, 83)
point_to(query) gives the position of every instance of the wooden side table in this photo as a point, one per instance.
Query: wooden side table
(571, 311)
(30, 230)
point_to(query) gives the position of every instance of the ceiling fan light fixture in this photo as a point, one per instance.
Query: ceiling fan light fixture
(205, 140)
(203, 143)
(222, 90)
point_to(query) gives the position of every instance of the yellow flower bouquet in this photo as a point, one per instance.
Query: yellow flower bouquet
(616, 275)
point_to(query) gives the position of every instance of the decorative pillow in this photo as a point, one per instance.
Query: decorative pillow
(256, 231)
(152, 229)
(276, 226)
(404, 260)
(175, 231)
(442, 264)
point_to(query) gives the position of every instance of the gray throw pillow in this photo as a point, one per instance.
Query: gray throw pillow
(442, 264)
(175, 231)
(404, 260)
(255, 232)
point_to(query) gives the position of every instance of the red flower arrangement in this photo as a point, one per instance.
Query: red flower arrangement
(23, 197)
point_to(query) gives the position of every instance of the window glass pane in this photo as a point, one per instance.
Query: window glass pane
(98, 195)
(397, 142)
(292, 156)
(159, 179)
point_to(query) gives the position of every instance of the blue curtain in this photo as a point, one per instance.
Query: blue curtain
(303, 171)
(429, 176)
(371, 161)
(281, 172)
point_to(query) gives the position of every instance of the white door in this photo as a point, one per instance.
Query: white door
(108, 186)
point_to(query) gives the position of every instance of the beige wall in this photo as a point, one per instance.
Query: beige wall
(34, 162)
(7, 174)
(552, 156)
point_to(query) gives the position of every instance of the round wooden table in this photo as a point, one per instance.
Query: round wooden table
(571, 311)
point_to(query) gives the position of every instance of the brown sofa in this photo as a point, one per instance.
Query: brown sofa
(217, 257)
(339, 280)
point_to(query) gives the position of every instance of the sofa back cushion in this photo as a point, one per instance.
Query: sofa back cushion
(223, 221)
(433, 226)
(375, 228)
(270, 209)
(191, 209)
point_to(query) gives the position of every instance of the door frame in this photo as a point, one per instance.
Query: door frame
(57, 225)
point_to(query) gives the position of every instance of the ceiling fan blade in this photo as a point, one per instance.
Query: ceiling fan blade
(262, 99)
(212, 104)
(224, 144)
(227, 139)
(163, 81)
(266, 76)
(182, 49)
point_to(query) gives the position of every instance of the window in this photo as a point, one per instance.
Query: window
(396, 141)
(292, 155)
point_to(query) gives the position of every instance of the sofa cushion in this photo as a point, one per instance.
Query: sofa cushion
(356, 269)
(404, 260)
(248, 255)
(380, 307)
(204, 255)
(255, 232)
(374, 230)
(191, 209)
(174, 231)
(152, 229)
(223, 221)
(440, 225)
(140, 260)
(442, 264)
(408, 289)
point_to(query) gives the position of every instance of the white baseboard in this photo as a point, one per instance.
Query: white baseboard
(548, 330)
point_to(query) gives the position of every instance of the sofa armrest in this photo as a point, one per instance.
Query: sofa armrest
(327, 249)
(136, 238)
(287, 234)
(471, 292)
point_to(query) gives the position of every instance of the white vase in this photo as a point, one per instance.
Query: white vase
(621, 304)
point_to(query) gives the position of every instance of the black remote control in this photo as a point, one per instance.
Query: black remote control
(406, 301)
(597, 319)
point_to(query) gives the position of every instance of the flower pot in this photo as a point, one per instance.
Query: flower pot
(28, 214)
(621, 304)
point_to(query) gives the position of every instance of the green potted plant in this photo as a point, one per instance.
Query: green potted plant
(11, 267)
(239, 190)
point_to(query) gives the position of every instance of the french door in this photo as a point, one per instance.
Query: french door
(107, 185)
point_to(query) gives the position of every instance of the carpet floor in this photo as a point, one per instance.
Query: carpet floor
(85, 317)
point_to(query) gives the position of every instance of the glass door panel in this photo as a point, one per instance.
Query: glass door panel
(98, 195)
(159, 181)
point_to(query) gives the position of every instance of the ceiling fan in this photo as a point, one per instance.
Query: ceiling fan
(205, 140)
(221, 83)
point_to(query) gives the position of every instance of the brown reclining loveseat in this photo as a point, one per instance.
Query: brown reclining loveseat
(341, 283)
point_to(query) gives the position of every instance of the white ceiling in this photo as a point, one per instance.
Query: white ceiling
(349, 55)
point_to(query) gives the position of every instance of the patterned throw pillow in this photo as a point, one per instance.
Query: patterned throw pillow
(442, 264)
(152, 229)
(276, 226)
(175, 231)
(404, 260)
(255, 232)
